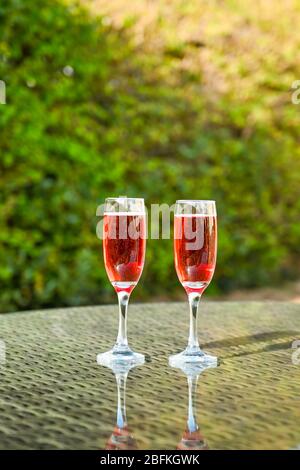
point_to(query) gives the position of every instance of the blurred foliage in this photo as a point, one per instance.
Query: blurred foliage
(163, 110)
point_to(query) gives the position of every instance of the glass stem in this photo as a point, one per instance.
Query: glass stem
(192, 384)
(121, 410)
(123, 307)
(194, 299)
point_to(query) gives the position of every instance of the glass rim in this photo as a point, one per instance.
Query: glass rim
(124, 198)
(186, 201)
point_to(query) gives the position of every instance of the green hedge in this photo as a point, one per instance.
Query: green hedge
(90, 114)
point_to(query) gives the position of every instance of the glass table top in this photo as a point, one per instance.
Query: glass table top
(53, 394)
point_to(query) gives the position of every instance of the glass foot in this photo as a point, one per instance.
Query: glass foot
(193, 358)
(116, 357)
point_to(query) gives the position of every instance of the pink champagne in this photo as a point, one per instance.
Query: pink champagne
(195, 247)
(124, 246)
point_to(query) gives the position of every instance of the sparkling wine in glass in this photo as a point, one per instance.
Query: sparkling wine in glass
(195, 251)
(124, 245)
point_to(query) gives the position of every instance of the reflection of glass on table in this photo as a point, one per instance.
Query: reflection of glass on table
(121, 437)
(192, 438)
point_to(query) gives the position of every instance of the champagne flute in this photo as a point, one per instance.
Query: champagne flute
(124, 246)
(195, 251)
